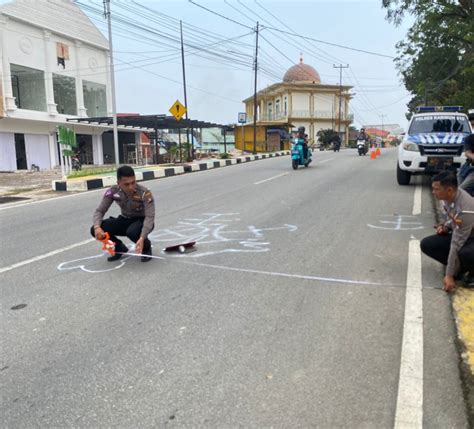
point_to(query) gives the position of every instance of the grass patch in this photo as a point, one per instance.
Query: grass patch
(90, 171)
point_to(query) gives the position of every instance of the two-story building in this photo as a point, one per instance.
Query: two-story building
(301, 100)
(54, 66)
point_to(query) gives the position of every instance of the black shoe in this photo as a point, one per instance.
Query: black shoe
(146, 255)
(119, 250)
(468, 282)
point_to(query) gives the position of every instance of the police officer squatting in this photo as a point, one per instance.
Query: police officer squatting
(137, 218)
(453, 243)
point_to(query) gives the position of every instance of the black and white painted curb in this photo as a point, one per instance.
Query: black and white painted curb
(152, 174)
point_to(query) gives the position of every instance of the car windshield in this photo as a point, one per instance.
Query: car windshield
(439, 124)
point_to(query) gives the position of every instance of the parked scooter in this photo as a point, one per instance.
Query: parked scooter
(361, 147)
(297, 155)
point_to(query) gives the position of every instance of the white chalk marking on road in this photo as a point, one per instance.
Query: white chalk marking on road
(271, 178)
(409, 411)
(326, 160)
(294, 276)
(44, 256)
(417, 200)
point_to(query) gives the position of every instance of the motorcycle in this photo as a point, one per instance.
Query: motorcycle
(297, 157)
(361, 147)
(76, 162)
(336, 146)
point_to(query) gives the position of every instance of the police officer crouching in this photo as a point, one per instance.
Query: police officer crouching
(136, 221)
(453, 243)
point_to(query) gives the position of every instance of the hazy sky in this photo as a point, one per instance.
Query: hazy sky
(219, 72)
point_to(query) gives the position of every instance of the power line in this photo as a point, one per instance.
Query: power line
(287, 38)
(293, 34)
(329, 43)
(218, 14)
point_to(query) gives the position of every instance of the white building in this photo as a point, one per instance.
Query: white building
(54, 66)
(302, 100)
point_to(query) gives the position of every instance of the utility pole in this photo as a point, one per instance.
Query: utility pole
(112, 81)
(340, 67)
(184, 85)
(255, 95)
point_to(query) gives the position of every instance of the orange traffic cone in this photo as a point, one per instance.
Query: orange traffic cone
(378, 152)
(373, 154)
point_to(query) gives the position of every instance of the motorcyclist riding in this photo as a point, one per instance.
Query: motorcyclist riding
(363, 136)
(304, 137)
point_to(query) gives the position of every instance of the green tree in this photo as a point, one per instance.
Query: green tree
(326, 136)
(436, 59)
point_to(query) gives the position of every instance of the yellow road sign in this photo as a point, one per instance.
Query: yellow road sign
(177, 110)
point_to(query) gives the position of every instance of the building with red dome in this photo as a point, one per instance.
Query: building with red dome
(301, 99)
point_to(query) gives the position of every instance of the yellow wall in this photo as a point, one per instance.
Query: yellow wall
(248, 137)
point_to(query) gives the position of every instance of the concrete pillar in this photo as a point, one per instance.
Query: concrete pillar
(81, 110)
(290, 104)
(138, 140)
(49, 52)
(97, 150)
(53, 154)
(109, 87)
(6, 72)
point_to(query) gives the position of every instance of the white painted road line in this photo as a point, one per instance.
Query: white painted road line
(417, 200)
(271, 178)
(326, 160)
(44, 256)
(409, 412)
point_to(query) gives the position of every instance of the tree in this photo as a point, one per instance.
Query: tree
(325, 137)
(68, 143)
(436, 60)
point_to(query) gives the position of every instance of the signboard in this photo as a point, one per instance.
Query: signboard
(242, 118)
(177, 110)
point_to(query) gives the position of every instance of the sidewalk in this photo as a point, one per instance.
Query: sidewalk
(151, 172)
(25, 184)
(462, 301)
(463, 309)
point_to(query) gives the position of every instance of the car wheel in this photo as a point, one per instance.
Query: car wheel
(403, 177)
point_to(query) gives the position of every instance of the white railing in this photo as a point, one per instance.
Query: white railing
(317, 114)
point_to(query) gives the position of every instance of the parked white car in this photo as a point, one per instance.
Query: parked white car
(433, 142)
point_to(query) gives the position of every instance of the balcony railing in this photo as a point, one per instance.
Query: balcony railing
(306, 114)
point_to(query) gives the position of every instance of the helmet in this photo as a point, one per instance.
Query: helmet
(301, 129)
(362, 130)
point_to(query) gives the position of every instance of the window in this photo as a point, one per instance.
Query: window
(28, 87)
(439, 124)
(270, 111)
(65, 94)
(95, 98)
(277, 108)
(285, 106)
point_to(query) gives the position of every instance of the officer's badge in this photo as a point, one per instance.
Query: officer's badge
(148, 197)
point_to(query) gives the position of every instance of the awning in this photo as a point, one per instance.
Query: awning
(148, 122)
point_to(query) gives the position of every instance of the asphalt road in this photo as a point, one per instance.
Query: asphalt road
(290, 313)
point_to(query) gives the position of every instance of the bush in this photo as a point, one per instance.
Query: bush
(224, 155)
(90, 171)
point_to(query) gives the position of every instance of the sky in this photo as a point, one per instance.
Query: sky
(219, 51)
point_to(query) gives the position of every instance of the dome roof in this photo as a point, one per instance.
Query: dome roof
(302, 73)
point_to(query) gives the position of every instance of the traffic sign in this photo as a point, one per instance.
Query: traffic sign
(177, 110)
(242, 118)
